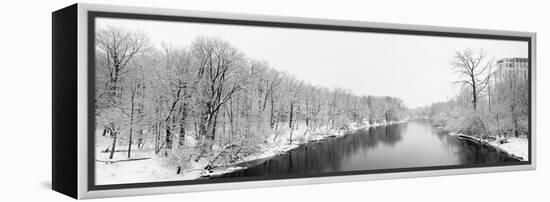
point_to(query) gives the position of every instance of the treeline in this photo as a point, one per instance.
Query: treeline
(208, 96)
(488, 104)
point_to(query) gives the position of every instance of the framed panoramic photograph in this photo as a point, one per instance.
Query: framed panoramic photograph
(149, 101)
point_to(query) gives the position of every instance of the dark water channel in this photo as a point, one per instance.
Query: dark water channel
(412, 144)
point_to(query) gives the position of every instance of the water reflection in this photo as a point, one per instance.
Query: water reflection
(412, 144)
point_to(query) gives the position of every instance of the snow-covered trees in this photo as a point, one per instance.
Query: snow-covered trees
(475, 74)
(217, 64)
(208, 98)
(511, 105)
(483, 107)
(116, 48)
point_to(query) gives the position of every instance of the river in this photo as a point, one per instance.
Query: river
(405, 145)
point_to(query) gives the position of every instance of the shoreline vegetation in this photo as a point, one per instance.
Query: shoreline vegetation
(318, 136)
(146, 166)
(515, 147)
(126, 171)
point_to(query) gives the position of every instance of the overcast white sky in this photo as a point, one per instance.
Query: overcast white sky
(413, 68)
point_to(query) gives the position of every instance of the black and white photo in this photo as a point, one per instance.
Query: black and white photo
(191, 101)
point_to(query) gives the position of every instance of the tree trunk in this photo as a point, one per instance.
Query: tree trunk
(498, 124)
(271, 113)
(291, 131)
(231, 126)
(514, 118)
(291, 114)
(113, 146)
(131, 126)
(307, 113)
(157, 136)
(205, 129)
(141, 139)
(474, 92)
(182, 124)
(277, 122)
(168, 138)
(214, 123)
(182, 134)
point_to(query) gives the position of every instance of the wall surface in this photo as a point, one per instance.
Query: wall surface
(25, 105)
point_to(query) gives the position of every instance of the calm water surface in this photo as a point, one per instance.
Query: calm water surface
(411, 144)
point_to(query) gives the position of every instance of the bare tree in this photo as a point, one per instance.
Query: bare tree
(178, 82)
(273, 94)
(475, 75)
(118, 47)
(295, 91)
(134, 87)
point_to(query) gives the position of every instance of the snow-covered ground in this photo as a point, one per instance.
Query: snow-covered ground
(155, 168)
(150, 168)
(516, 147)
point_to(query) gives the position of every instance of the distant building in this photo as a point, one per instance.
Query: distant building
(510, 68)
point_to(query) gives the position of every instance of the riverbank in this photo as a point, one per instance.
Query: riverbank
(281, 144)
(513, 146)
(149, 167)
